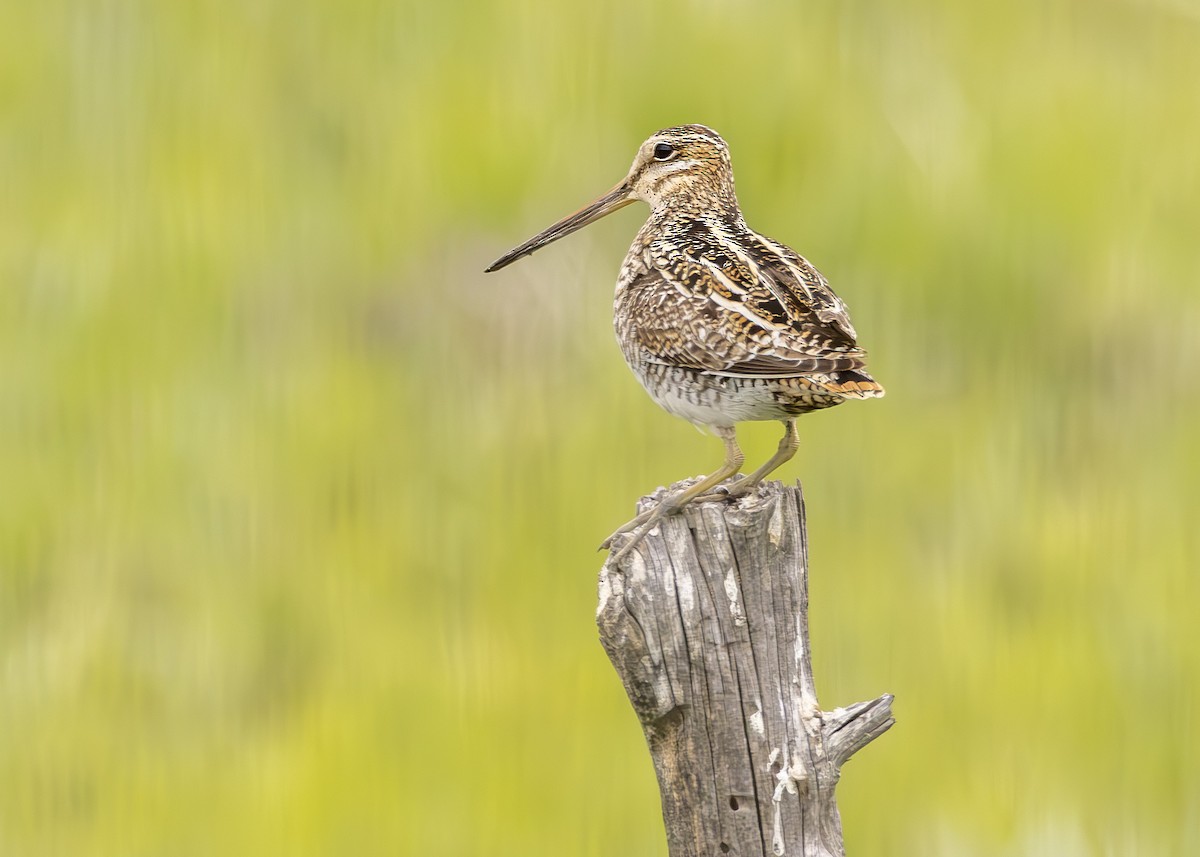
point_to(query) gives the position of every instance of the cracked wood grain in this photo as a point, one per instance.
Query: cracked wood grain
(706, 623)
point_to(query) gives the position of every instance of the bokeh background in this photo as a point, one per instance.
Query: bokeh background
(298, 508)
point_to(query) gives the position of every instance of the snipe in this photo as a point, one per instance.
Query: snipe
(720, 324)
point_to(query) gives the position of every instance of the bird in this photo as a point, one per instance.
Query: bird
(721, 325)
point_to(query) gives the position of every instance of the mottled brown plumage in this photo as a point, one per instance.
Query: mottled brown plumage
(720, 324)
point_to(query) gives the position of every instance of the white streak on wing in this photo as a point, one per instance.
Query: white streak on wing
(796, 273)
(767, 281)
(679, 286)
(838, 315)
(722, 277)
(740, 309)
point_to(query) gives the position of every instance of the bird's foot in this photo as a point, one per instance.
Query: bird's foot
(640, 527)
(739, 487)
(625, 528)
(643, 523)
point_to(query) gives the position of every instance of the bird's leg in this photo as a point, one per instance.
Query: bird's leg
(788, 445)
(647, 520)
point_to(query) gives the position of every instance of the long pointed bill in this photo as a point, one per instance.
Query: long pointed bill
(616, 198)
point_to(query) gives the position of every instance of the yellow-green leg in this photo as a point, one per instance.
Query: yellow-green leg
(647, 520)
(788, 445)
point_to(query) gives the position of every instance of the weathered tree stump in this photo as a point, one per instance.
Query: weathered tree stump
(706, 622)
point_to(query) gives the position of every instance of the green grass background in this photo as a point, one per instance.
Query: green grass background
(298, 508)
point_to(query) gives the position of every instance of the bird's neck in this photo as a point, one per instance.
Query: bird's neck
(722, 206)
(687, 197)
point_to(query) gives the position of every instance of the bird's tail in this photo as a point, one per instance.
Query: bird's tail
(853, 384)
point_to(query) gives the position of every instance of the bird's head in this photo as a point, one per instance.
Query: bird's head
(687, 166)
(684, 169)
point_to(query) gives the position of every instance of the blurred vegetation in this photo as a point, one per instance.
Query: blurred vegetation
(299, 508)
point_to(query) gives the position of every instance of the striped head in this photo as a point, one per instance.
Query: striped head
(684, 170)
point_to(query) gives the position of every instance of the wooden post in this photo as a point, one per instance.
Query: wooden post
(706, 622)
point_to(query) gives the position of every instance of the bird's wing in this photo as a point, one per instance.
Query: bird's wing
(749, 308)
(791, 274)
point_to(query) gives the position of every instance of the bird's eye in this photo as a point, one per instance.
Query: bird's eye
(664, 152)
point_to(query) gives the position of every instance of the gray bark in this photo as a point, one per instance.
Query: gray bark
(706, 622)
